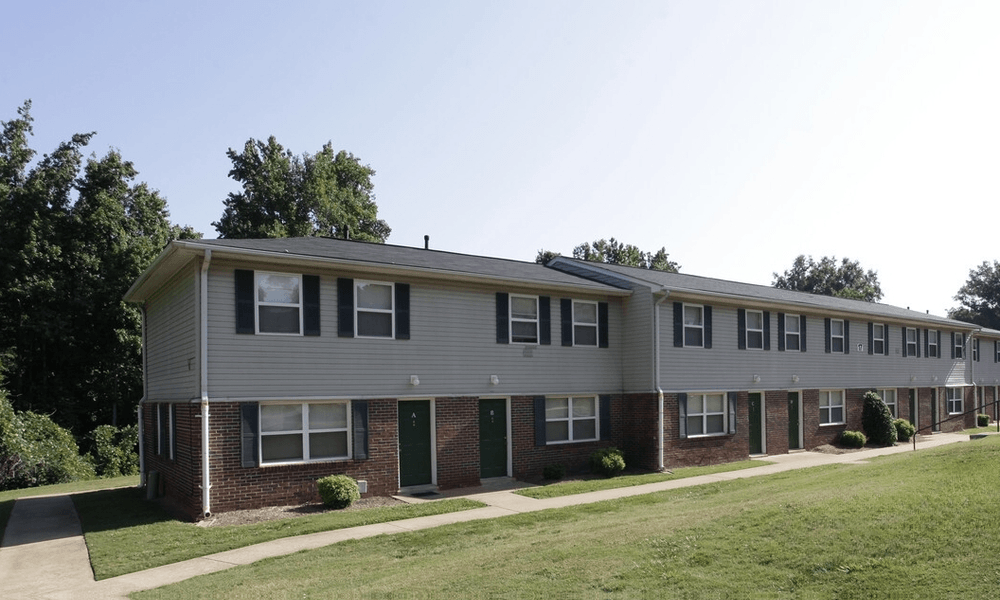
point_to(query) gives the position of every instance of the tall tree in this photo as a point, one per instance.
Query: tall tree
(284, 195)
(74, 235)
(979, 298)
(614, 252)
(846, 279)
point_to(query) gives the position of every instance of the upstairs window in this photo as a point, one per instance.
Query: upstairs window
(958, 345)
(584, 323)
(878, 339)
(524, 319)
(911, 341)
(755, 329)
(837, 336)
(694, 326)
(279, 303)
(792, 332)
(932, 343)
(374, 309)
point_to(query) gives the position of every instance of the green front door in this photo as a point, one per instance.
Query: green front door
(913, 408)
(935, 419)
(414, 442)
(756, 444)
(793, 421)
(493, 438)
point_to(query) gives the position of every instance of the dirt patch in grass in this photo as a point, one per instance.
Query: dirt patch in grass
(273, 513)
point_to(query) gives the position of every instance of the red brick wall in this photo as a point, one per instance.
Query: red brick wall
(457, 432)
(634, 423)
(776, 421)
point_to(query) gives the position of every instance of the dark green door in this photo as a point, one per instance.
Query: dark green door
(414, 442)
(935, 419)
(493, 438)
(913, 408)
(754, 402)
(793, 421)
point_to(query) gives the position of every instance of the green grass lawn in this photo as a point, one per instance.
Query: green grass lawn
(8, 497)
(125, 533)
(910, 525)
(567, 488)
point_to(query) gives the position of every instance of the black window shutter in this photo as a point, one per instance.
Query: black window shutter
(927, 345)
(953, 344)
(503, 318)
(678, 325)
(939, 351)
(602, 325)
(918, 343)
(871, 338)
(310, 304)
(173, 431)
(605, 400)
(708, 326)
(245, 321)
(345, 307)
(402, 311)
(904, 341)
(544, 321)
(682, 411)
(978, 354)
(767, 330)
(539, 420)
(781, 332)
(248, 434)
(996, 350)
(826, 328)
(741, 328)
(802, 333)
(732, 411)
(566, 321)
(359, 424)
(847, 336)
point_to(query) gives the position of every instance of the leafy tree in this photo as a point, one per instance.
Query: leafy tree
(614, 252)
(284, 195)
(980, 297)
(75, 233)
(846, 279)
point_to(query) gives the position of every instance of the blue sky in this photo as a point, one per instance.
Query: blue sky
(737, 135)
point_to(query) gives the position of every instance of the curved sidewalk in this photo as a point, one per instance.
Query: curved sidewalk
(43, 554)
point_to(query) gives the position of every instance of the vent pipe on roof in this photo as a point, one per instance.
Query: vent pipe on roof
(347, 232)
(427, 242)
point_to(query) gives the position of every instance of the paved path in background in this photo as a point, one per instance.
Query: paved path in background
(44, 556)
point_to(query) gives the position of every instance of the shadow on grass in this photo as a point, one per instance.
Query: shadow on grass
(108, 510)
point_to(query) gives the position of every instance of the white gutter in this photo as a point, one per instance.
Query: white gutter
(206, 480)
(656, 383)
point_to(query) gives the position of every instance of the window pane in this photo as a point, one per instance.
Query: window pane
(584, 312)
(692, 315)
(791, 324)
(824, 415)
(327, 445)
(585, 429)
(327, 416)
(792, 342)
(836, 414)
(557, 431)
(375, 295)
(524, 332)
(278, 319)
(523, 308)
(692, 337)
(585, 335)
(755, 320)
(556, 408)
(714, 424)
(837, 344)
(837, 328)
(278, 288)
(755, 339)
(714, 403)
(584, 407)
(877, 332)
(280, 417)
(374, 324)
(281, 447)
(694, 426)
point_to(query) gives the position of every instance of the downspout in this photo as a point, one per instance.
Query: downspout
(206, 480)
(656, 370)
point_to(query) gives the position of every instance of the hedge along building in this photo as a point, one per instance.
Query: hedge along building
(271, 363)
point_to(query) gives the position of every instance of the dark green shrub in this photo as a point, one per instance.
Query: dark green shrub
(553, 472)
(904, 430)
(876, 420)
(338, 491)
(982, 420)
(853, 439)
(607, 461)
(114, 451)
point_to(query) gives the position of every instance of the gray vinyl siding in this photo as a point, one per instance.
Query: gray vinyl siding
(725, 367)
(172, 340)
(452, 349)
(637, 359)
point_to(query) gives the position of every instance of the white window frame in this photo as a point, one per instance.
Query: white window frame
(954, 404)
(885, 394)
(513, 319)
(257, 303)
(304, 431)
(933, 347)
(878, 338)
(959, 345)
(750, 330)
(382, 311)
(570, 419)
(699, 326)
(834, 336)
(827, 395)
(911, 342)
(593, 325)
(797, 334)
(701, 401)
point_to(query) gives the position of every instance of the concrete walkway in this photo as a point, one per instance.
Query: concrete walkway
(43, 554)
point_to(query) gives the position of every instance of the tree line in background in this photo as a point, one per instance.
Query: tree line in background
(76, 231)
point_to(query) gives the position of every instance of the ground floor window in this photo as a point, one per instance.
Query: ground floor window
(706, 414)
(298, 432)
(572, 419)
(954, 401)
(889, 397)
(831, 407)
